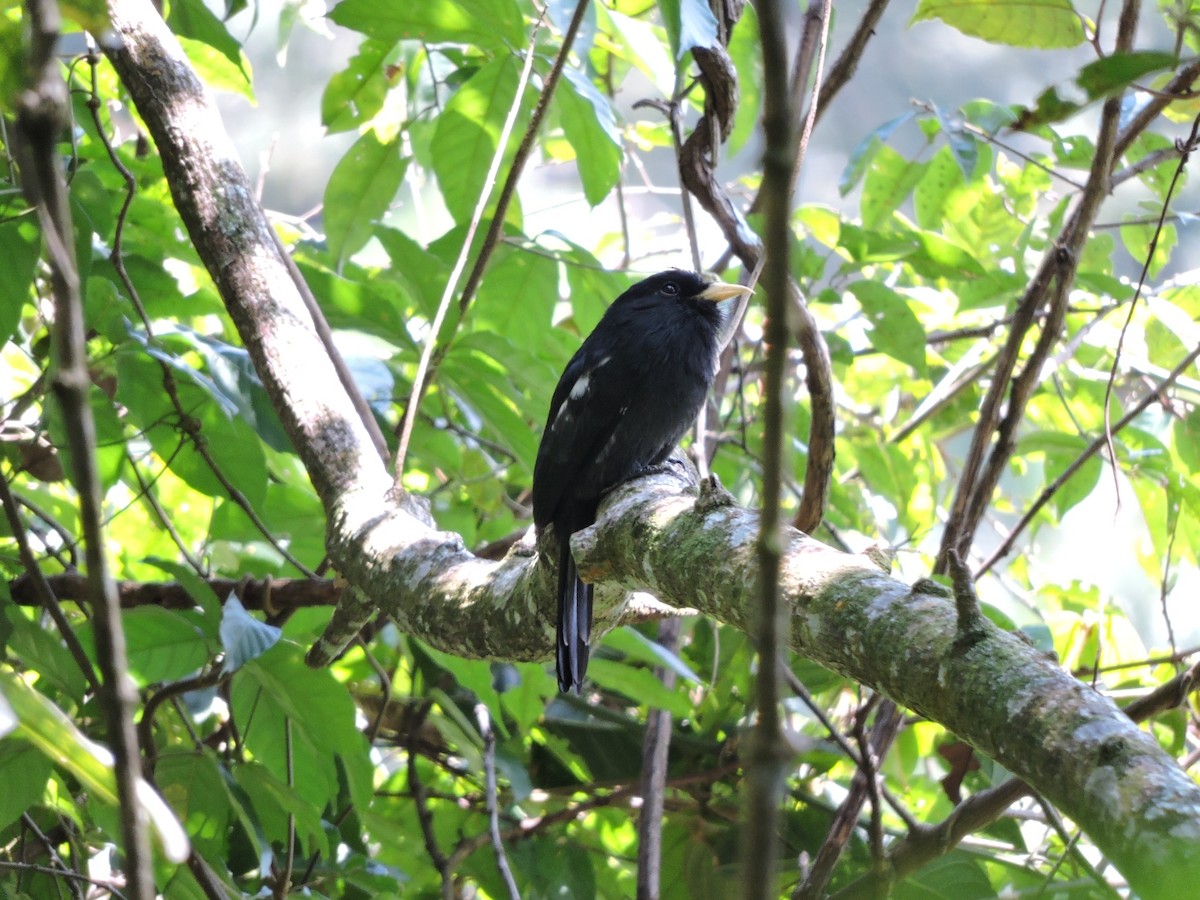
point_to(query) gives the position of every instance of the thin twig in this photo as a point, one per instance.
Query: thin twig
(981, 470)
(41, 116)
(846, 64)
(923, 845)
(888, 720)
(1185, 149)
(146, 492)
(489, 181)
(421, 802)
(107, 886)
(283, 884)
(42, 589)
(770, 753)
(48, 846)
(484, 719)
(656, 745)
(158, 698)
(1151, 396)
(187, 424)
(467, 846)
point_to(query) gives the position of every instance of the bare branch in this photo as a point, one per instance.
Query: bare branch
(41, 117)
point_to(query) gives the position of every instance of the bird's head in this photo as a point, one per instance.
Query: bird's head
(681, 285)
(679, 290)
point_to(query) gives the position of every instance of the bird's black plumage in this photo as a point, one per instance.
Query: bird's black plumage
(625, 399)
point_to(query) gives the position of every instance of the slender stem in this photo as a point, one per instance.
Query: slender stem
(41, 117)
(489, 181)
(483, 717)
(496, 226)
(655, 748)
(42, 589)
(769, 752)
(1150, 397)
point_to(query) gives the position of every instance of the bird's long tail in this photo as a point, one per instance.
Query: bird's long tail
(574, 621)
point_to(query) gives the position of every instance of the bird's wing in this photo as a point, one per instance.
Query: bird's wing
(584, 411)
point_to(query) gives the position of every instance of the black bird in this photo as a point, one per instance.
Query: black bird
(625, 399)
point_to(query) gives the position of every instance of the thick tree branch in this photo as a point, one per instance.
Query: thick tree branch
(233, 237)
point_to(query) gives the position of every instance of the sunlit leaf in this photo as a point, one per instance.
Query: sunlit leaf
(895, 327)
(1021, 23)
(468, 133)
(49, 729)
(359, 192)
(590, 126)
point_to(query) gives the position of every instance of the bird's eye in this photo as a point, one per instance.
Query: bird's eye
(670, 288)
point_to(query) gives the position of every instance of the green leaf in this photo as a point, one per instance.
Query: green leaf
(1061, 449)
(642, 45)
(359, 192)
(89, 14)
(591, 129)
(194, 787)
(1158, 177)
(192, 19)
(639, 685)
(888, 471)
(864, 152)
(444, 21)
(274, 800)
(690, 23)
(517, 300)
(638, 647)
(19, 248)
(376, 303)
(941, 178)
(231, 443)
(162, 644)
(477, 382)
(1118, 71)
(109, 456)
(890, 179)
(592, 288)
(1096, 81)
(24, 773)
(278, 686)
(504, 19)
(895, 329)
(354, 95)
(42, 650)
(941, 258)
(216, 71)
(1138, 237)
(49, 729)
(821, 222)
(468, 131)
(1020, 23)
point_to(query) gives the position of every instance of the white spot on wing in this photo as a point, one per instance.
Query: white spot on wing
(579, 388)
(563, 414)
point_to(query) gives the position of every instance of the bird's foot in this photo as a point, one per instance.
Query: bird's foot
(713, 495)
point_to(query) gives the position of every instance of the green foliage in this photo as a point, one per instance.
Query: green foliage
(913, 277)
(1045, 24)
